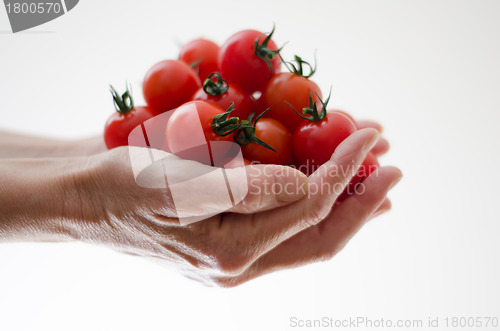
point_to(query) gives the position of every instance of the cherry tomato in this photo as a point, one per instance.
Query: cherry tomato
(369, 165)
(169, 84)
(287, 90)
(246, 65)
(190, 134)
(124, 120)
(344, 113)
(259, 104)
(154, 129)
(275, 135)
(221, 93)
(203, 55)
(315, 141)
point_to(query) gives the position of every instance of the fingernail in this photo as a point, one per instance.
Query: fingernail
(290, 185)
(373, 140)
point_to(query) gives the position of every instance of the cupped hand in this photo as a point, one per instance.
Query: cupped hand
(269, 229)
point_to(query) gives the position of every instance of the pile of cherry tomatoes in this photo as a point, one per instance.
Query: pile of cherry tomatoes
(240, 94)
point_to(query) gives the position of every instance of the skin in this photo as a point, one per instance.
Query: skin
(94, 198)
(16, 145)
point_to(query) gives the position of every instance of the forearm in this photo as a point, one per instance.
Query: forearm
(38, 199)
(15, 145)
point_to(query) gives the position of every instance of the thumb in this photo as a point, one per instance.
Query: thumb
(199, 191)
(267, 186)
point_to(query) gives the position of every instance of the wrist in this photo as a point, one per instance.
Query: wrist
(40, 199)
(14, 145)
(86, 147)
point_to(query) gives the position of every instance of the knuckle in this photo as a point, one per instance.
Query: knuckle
(327, 256)
(250, 204)
(226, 282)
(329, 252)
(252, 201)
(231, 264)
(313, 216)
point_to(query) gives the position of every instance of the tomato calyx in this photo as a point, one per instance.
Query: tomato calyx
(217, 87)
(299, 68)
(124, 103)
(264, 53)
(360, 183)
(246, 133)
(312, 112)
(224, 125)
(195, 63)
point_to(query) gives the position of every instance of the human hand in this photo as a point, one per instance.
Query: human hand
(97, 200)
(18, 145)
(262, 233)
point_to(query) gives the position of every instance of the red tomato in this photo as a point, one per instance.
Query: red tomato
(154, 130)
(315, 142)
(344, 113)
(277, 136)
(369, 165)
(259, 104)
(169, 84)
(204, 53)
(124, 120)
(287, 90)
(223, 94)
(246, 65)
(190, 134)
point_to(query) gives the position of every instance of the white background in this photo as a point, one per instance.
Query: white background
(429, 71)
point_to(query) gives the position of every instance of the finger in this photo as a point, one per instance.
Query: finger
(268, 186)
(323, 241)
(199, 191)
(363, 124)
(384, 207)
(356, 209)
(276, 225)
(381, 147)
